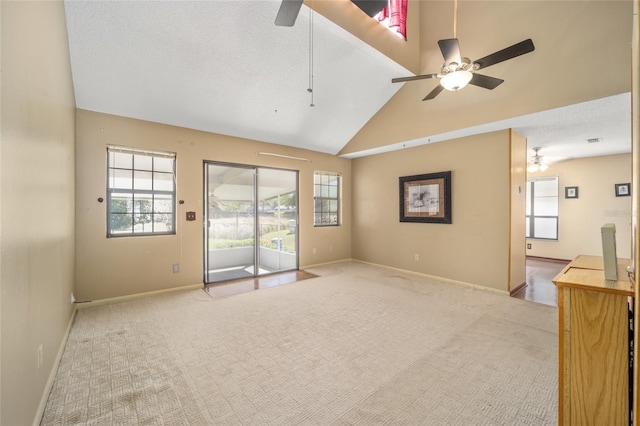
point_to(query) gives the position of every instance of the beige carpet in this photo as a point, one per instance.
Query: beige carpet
(358, 345)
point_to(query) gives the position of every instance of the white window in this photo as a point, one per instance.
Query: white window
(327, 199)
(141, 192)
(542, 208)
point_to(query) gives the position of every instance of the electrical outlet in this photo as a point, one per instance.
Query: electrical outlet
(528, 245)
(40, 355)
(176, 268)
(416, 257)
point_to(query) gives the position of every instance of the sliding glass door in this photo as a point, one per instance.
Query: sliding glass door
(252, 221)
(277, 220)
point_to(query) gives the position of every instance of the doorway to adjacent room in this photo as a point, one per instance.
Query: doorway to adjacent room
(539, 286)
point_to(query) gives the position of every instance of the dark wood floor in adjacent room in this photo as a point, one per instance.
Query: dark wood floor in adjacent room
(539, 286)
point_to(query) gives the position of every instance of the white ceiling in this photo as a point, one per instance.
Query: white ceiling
(224, 67)
(563, 133)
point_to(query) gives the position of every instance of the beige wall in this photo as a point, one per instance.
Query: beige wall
(475, 247)
(37, 213)
(580, 219)
(111, 267)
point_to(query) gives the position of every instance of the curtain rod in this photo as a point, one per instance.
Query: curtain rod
(271, 154)
(138, 151)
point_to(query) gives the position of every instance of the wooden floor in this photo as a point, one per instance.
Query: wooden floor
(229, 288)
(539, 287)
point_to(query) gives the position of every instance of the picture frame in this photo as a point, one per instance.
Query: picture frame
(623, 189)
(426, 198)
(570, 192)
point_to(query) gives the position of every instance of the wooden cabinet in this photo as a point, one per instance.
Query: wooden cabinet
(593, 343)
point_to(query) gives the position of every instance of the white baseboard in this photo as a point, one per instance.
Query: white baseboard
(54, 370)
(435, 277)
(333, 262)
(118, 299)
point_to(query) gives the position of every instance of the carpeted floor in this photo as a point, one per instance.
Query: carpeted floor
(358, 345)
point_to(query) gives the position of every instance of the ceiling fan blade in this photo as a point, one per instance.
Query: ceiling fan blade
(510, 52)
(417, 77)
(435, 92)
(485, 81)
(370, 7)
(288, 12)
(450, 49)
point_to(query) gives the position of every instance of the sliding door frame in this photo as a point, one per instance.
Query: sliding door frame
(257, 246)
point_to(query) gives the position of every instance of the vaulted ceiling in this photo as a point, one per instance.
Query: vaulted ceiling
(224, 67)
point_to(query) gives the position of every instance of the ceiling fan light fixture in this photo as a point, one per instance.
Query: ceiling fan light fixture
(537, 167)
(536, 163)
(532, 168)
(456, 80)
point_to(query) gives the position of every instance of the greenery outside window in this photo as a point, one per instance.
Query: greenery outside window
(141, 192)
(542, 208)
(327, 199)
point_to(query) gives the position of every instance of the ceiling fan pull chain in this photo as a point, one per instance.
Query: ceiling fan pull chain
(310, 89)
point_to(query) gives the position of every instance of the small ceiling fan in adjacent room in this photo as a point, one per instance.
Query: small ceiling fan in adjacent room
(458, 71)
(536, 164)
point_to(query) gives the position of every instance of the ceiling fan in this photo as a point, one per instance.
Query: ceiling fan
(458, 71)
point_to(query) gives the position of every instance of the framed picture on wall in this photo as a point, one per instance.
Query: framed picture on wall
(623, 189)
(570, 192)
(426, 198)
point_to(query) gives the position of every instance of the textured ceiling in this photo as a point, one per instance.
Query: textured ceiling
(224, 67)
(564, 133)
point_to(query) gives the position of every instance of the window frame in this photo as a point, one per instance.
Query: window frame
(324, 199)
(144, 194)
(530, 212)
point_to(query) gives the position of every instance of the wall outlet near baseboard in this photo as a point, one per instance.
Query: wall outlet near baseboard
(528, 245)
(416, 257)
(176, 268)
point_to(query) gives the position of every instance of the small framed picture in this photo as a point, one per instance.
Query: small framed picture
(623, 189)
(570, 192)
